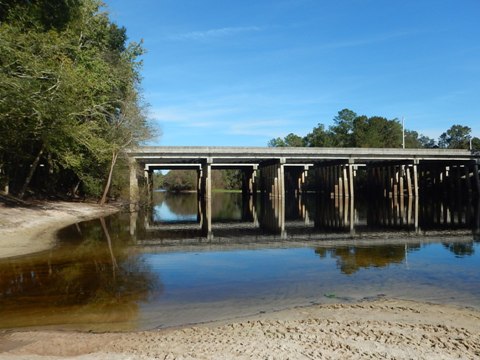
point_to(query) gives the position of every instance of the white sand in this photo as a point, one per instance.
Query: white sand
(381, 329)
(25, 230)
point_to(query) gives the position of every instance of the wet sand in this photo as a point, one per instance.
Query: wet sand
(382, 329)
(378, 329)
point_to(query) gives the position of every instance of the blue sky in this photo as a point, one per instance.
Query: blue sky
(241, 72)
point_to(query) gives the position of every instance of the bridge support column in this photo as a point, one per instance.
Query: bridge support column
(295, 177)
(205, 216)
(149, 184)
(476, 178)
(273, 178)
(249, 185)
(336, 181)
(134, 190)
(205, 179)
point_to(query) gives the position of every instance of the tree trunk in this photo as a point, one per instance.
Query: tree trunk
(103, 200)
(31, 172)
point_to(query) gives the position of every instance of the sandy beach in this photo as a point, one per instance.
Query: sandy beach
(377, 329)
(30, 229)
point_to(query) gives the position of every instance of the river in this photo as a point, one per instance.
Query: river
(188, 261)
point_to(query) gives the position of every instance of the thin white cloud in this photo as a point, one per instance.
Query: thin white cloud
(214, 33)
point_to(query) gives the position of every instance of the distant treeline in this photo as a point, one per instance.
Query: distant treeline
(352, 130)
(185, 180)
(69, 98)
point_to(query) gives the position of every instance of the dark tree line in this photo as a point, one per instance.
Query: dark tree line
(352, 130)
(186, 180)
(69, 97)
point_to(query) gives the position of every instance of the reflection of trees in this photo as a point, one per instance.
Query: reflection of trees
(178, 203)
(351, 259)
(227, 206)
(460, 249)
(90, 277)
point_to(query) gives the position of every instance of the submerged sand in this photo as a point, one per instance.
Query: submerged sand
(379, 329)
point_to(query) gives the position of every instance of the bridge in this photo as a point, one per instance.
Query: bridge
(401, 175)
(273, 171)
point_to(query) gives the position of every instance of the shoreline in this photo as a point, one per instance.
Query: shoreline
(385, 328)
(366, 329)
(29, 229)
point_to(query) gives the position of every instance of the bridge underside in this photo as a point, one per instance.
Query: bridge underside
(331, 171)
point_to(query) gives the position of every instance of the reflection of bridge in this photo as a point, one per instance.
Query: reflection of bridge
(270, 220)
(391, 172)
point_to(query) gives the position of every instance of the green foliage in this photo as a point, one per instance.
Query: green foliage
(232, 179)
(319, 137)
(415, 141)
(291, 140)
(187, 180)
(377, 132)
(476, 144)
(68, 93)
(343, 128)
(351, 130)
(180, 180)
(457, 137)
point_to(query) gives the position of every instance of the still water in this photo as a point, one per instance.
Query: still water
(186, 262)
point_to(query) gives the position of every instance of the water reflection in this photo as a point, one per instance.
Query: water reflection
(91, 279)
(353, 258)
(188, 259)
(306, 215)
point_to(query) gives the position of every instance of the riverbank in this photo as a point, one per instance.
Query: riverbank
(386, 329)
(381, 328)
(31, 227)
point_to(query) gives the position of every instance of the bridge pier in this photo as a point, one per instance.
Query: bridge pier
(149, 184)
(272, 215)
(134, 189)
(476, 178)
(336, 180)
(392, 180)
(295, 177)
(249, 184)
(205, 179)
(272, 178)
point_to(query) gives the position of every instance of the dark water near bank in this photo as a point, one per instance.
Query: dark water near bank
(186, 261)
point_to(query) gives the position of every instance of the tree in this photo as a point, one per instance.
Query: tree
(457, 137)
(319, 137)
(291, 140)
(377, 132)
(343, 128)
(276, 142)
(476, 144)
(68, 95)
(415, 141)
